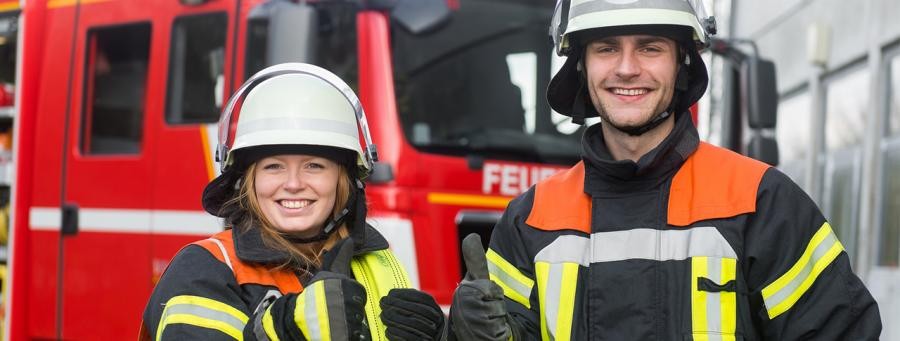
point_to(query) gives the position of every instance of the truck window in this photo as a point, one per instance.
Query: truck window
(196, 75)
(115, 79)
(476, 86)
(335, 43)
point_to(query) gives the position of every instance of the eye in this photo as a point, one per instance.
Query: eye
(315, 165)
(604, 49)
(272, 166)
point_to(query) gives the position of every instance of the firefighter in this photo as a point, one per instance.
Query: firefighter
(655, 235)
(296, 260)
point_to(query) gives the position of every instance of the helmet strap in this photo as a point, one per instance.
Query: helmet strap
(579, 108)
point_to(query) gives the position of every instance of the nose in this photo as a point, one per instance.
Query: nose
(628, 65)
(294, 182)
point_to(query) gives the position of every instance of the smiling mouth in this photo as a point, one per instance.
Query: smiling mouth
(629, 92)
(295, 204)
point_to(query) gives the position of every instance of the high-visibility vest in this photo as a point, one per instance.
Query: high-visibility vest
(378, 272)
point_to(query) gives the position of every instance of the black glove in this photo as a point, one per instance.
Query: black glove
(343, 297)
(410, 314)
(478, 311)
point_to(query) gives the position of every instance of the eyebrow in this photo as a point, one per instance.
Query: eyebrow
(642, 40)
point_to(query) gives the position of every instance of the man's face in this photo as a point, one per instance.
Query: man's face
(631, 78)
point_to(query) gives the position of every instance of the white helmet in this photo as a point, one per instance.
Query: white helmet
(578, 15)
(289, 108)
(295, 104)
(575, 22)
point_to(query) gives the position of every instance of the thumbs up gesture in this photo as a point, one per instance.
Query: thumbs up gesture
(343, 297)
(478, 311)
(331, 297)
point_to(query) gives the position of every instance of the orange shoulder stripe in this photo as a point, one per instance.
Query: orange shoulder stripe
(244, 273)
(560, 202)
(714, 183)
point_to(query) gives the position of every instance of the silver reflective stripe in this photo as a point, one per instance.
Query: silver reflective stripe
(566, 249)
(224, 253)
(298, 123)
(646, 244)
(804, 273)
(203, 312)
(580, 7)
(714, 299)
(552, 298)
(509, 281)
(312, 315)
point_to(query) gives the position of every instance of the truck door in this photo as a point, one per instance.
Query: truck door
(104, 263)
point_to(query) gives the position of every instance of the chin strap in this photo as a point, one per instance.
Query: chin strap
(357, 202)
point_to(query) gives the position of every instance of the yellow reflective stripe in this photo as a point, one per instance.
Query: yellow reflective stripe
(378, 272)
(268, 325)
(698, 298)
(781, 295)
(566, 301)
(322, 311)
(557, 284)
(728, 300)
(202, 312)
(515, 285)
(542, 271)
(300, 311)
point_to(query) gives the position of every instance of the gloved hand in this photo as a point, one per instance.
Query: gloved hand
(333, 289)
(410, 314)
(478, 311)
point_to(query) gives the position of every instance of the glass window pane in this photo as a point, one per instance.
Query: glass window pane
(477, 85)
(793, 129)
(793, 135)
(895, 96)
(889, 239)
(116, 75)
(334, 46)
(843, 198)
(846, 109)
(196, 74)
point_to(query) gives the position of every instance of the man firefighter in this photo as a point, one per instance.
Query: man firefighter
(655, 235)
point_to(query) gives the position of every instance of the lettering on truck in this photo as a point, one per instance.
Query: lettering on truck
(512, 179)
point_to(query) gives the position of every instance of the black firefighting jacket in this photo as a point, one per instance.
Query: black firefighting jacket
(692, 242)
(215, 289)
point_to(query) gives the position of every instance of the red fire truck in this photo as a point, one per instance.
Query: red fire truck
(115, 126)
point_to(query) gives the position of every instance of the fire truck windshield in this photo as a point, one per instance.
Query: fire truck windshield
(476, 85)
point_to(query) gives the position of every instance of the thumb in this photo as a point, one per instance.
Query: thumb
(473, 255)
(337, 260)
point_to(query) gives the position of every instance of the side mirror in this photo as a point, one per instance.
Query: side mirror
(762, 93)
(421, 16)
(292, 30)
(764, 149)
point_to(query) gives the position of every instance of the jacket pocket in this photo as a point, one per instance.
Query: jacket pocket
(713, 284)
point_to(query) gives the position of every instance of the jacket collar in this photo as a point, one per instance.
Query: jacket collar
(249, 246)
(605, 175)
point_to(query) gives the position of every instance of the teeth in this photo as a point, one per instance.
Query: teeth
(295, 203)
(629, 92)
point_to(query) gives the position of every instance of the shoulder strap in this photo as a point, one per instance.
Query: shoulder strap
(221, 246)
(714, 183)
(560, 202)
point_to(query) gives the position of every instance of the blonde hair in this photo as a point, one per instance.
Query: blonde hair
(301, 257)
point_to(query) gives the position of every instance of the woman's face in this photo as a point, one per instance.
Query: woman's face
(297, 193)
